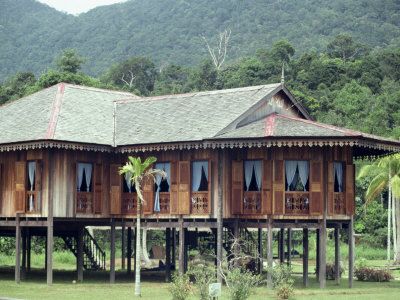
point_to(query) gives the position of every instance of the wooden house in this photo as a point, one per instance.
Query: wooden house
(240, 158)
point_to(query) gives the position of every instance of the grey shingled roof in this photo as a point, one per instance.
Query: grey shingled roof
(64, 112)
(187, 117)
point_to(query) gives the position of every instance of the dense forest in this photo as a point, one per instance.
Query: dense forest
(170, 31)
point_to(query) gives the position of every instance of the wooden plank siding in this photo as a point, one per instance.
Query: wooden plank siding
(105, 181)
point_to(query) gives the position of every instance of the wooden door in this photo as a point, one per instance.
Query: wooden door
(266, 192)
(237, 187)
(279, 187)
(97, 187)
(148, 195)
(115, 190)
(316, 188)
(173, 189)
(331, 189)
(184, 188)
(350, 201)
(38, 185)
(20, 186)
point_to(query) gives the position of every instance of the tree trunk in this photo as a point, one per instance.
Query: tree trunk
(397, 217)
(138, 250)
(145, 254)
(389, 216)
(394, 229)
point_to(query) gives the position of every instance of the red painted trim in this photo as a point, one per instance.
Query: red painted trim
(270, 125)
(55, 111)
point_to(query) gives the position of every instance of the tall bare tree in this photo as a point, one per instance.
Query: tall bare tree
(218, 53)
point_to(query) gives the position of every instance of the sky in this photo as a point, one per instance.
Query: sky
(77, 6)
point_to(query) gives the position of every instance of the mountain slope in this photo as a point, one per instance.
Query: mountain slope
(169, 31)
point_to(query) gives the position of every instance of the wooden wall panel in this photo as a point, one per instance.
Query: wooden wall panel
(115, 190)
(184, 187)
(349, 186)
(331, 187)
(237, 187)
(174, 208)
(266, 193)
(148, 195)
(20, 186)
(278, 187)
(316, 188)
(97, 186)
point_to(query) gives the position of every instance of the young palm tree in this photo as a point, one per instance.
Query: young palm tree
(386, 175)
(138, 172)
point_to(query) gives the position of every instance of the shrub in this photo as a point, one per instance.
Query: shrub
(203, 276)
(241, 283)
(371, 274)
(180, 287)
(282, 281)
(331, 271)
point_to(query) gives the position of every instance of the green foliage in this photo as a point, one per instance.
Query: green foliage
(284, 291)
(282, 281)
(371, 274)
(69, 61)
(180, 288)
(203, 276)
(241, 283)
(331, 271)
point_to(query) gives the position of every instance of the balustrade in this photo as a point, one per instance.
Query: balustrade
(200, 203)
(252, 202)
(84, 202)
(339, 203)
(297, 203)
(129, 201)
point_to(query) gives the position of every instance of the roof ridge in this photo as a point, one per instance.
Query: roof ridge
(94, 89)
(326, 126)
(55, 111)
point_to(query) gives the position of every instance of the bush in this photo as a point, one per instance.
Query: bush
(282, 281)
(371, 274)
(203, 276)
(331, 271)
(241, 283)
(180, 287)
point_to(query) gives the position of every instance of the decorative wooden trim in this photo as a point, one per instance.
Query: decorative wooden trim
(54, 144)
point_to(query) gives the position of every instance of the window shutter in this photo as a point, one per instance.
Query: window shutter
(173, 189)
(184, 188)
(237, 187)
(316, 196)
(115, 190)
(266, 192)
(350, 190)
(98, 179)
(20, 186)
(148, 195)
(279, 187)
(38, 184)
(331, 189)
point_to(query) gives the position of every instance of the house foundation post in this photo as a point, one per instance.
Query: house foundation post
(351, 252)
(322, 255)
(305, 257)
(17, 249)
(129, 251)
(168, 254)
(337, 255)
(289, 246)
(112, 252)
(281, 248)
(123, 245)
(181, 247)
(260, 251)
(79, 258)
(317, 246)
(23, 267)
(269, 254)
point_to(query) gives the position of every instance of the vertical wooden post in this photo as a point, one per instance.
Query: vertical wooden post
(281, 245)
(129, 250)
(269, 254)
(112, 252)
(236, 236)
(79, 258)
(351, 252)
(50, 243)
(168, 254)
(215, 237)
(174, 247)
(17, 249)
(337, 256)
(305, 257)
(260, 251)
(181, 247)
(123, 245)
(289, 246)
(220, 225)
(317, 242)
(28, 251)
(322, 255)
(186, 250)
(45, 253)
(23, 269)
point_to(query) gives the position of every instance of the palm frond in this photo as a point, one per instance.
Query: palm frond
(376, 186)
(395, 181)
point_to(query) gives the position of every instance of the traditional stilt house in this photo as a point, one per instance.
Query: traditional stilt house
(236, 159)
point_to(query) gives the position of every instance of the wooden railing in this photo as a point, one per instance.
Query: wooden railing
(84, 202)
(164, 203)
(252, 202)
(297, 203)
(35, 202)
(200, 203)
(129, 201)
(339, 204)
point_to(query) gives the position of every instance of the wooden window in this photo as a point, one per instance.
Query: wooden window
(84, 187)
(129, 196)
(115, 190)
(162, 189)
(252, 182)
(297, 178)
(338, 183)
(33, 186)
(200, 186)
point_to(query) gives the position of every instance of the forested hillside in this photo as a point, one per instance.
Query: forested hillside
(170, 31)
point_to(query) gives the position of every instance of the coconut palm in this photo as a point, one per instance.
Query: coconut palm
(138, 172)
(386, 175)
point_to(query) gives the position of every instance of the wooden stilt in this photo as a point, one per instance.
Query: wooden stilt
(112, 252)
(174, 247)
(289, 246)
(45, 253)
(168, 254)
(260, 251)
(220, 225)
(236, 248)
(17, 249)
(214, 233)
(305, 257)
(351, 252)
(28, 251)
(23, 267)
(129, 251)
(337, 256)
(49, 250)
(269, 254)
(281, 245)
(186, 248)
(123, 245)
(181, 247)
(79, 258)
(317, 246)
(322, 256)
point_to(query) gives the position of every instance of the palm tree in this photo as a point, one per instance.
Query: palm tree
(386, 175)
(138, 172)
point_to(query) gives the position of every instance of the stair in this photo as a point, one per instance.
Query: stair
(94, 258)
